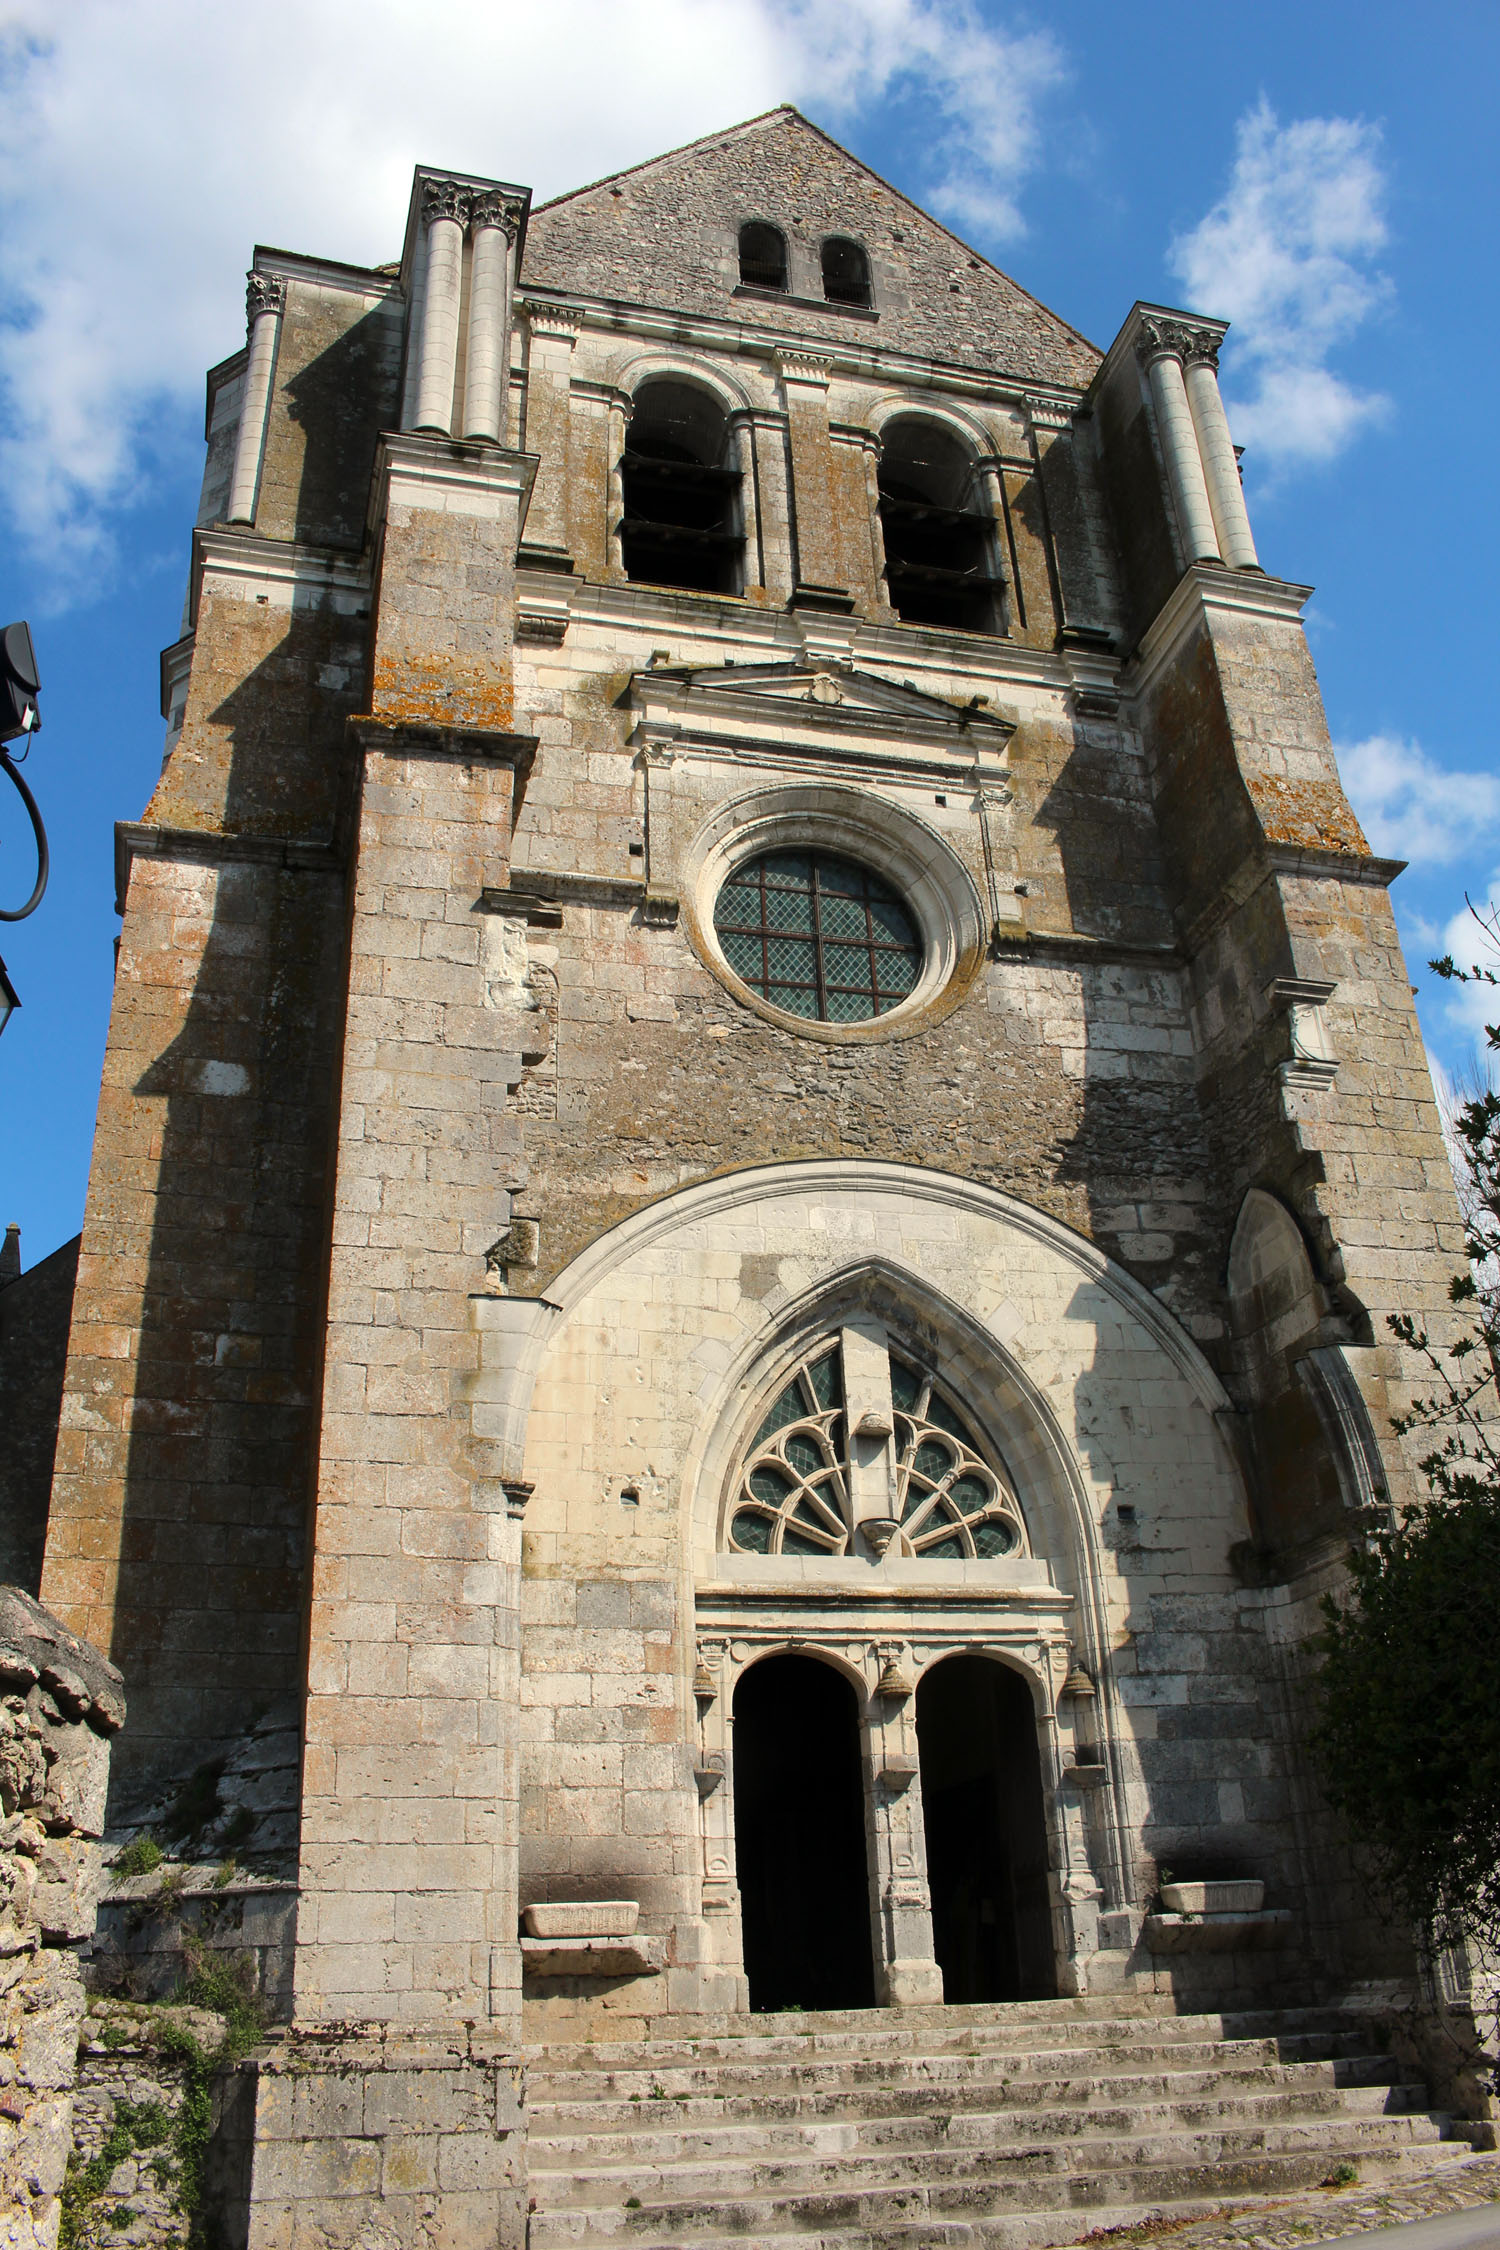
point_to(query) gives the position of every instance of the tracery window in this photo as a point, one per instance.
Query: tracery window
(818, 935)
(916, 1476)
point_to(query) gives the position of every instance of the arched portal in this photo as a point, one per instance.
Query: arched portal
(985, 1831)
(800, 1847)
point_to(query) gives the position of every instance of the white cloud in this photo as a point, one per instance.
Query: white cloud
(1413, 808)
(1472, 941)
(1287, 256)
(163, 139)
(986, 85)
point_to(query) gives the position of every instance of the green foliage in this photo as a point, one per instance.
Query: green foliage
(1408, 1736)
(221, 1985)
(1343, 2175)
(135, 2125)
(142, 1857)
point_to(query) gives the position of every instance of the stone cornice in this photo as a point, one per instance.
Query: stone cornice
(324, 273)
(414, 738)
(1201, 588)
(212, 847)
(287, 571)
(460, 475)
(850, 356)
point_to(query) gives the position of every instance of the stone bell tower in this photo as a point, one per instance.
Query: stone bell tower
(761, 1115)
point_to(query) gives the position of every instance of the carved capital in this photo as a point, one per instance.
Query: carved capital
(1048, 414)
(446, 199)
(1175, 336)
(494, 208)
(802, 367)
(264, 293)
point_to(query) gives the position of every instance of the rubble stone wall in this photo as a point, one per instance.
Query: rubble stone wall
(60, 1703)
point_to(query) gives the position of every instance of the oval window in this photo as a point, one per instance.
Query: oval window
(819, 936)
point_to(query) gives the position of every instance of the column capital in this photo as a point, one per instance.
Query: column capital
(803, 367)
(264, 293)
(493, 207)
(559, 327)
(446, 199)
(1161, 335)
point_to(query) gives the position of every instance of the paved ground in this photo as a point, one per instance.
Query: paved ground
(1331, 2215)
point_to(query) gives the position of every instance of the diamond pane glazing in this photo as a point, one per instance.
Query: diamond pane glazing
(822, 937)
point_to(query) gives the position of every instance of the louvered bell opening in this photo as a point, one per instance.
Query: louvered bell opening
(939, 541)
(681, 520)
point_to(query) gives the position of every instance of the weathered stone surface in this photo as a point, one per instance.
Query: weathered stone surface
(463, 1222)
(60, 1703)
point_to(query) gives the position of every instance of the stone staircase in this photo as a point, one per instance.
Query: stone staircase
(992, 2128)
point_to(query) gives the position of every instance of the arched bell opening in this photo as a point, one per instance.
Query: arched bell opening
(802, 1858)
(986, 1832)
(939, 535)
(681, 522)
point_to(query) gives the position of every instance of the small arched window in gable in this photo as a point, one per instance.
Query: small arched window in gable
(762, 255)
(846, 272)
(805, 1485)
(681, 524)
(938, 530)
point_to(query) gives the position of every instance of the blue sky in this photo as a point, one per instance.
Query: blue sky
(1325, 175)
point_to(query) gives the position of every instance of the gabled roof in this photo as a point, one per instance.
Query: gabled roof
(665, 234)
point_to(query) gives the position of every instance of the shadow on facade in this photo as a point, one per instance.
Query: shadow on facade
(231, 1153)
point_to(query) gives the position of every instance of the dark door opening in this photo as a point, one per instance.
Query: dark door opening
(986, 1838)
(799, 1819)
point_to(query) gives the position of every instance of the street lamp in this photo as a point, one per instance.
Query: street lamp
(20, 718)
(10, 999)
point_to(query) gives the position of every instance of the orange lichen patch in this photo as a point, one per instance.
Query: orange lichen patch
(438, 690)
(1314, 814)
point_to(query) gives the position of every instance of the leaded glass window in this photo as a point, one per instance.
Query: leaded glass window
(797, 1489)
(794, 1497)
(820, 936)
(949, 1501)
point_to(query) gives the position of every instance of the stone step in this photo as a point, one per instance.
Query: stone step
(554, 2148)
(862, 2022)
(807, 2065)
(980, 2089)
(1000, 2214)
(726, 2179)
(953, 2030)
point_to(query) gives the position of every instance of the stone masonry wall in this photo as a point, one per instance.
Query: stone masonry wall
(35, 1310)
(60, 1703)
(178, 1512)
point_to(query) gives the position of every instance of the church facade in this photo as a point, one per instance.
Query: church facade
(761, 1115)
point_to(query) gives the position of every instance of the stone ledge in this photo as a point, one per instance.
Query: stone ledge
(1219, 1933)
(592, 1957)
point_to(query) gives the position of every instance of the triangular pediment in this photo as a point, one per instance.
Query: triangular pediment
(665, 234)
(812, 700)
(818, 690)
